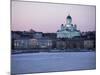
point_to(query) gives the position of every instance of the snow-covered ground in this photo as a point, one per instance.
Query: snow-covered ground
(46, 62)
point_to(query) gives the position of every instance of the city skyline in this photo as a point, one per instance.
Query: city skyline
(48, 17)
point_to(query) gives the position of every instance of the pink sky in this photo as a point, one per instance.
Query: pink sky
(47, 17)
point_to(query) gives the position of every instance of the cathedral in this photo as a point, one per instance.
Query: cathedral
(68, 30)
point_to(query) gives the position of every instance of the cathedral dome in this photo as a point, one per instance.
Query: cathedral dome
(69, 17)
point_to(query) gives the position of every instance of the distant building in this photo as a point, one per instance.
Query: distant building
(89, 44)
(66, 40)
(68, 30)
(15, 34)
(44, 43)
(38, 35)
(21, 43)
(40, 43)
(25, 43)
(70, 44)
(50, 35)
(33, 43)
(60, 44)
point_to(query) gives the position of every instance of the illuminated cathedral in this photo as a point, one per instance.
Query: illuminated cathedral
(68, 30)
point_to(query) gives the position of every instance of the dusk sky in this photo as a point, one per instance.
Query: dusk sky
(48, 17)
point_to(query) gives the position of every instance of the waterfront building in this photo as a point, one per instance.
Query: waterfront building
(38, 35)
(25, 43)
(21, 43)
(89, 44)
(44, 43)
(68, 30)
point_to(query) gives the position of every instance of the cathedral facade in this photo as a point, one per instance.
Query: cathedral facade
(68, 30)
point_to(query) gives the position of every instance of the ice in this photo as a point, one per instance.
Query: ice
(47, 62)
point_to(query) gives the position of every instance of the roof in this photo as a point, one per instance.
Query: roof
(69, 17)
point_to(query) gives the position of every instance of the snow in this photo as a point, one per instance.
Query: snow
(47, 62)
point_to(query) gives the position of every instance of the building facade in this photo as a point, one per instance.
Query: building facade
(44, 43)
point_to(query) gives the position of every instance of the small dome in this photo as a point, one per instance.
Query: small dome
(69, 17)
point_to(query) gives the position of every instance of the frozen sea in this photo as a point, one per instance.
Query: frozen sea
(47, 62)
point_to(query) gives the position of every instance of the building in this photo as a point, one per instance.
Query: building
(37, 41)
(68, 30)
(21, 43)
(25, 43)
(38, 35)
(15, 34)
(50, 35)
(44, 43)
(74, 44)
(33, 43)
(70, 44)
(89, 44)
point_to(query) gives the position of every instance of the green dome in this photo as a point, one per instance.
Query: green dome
(69, 17)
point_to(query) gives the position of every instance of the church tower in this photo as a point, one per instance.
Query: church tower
(68, 20)
(68, 30)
